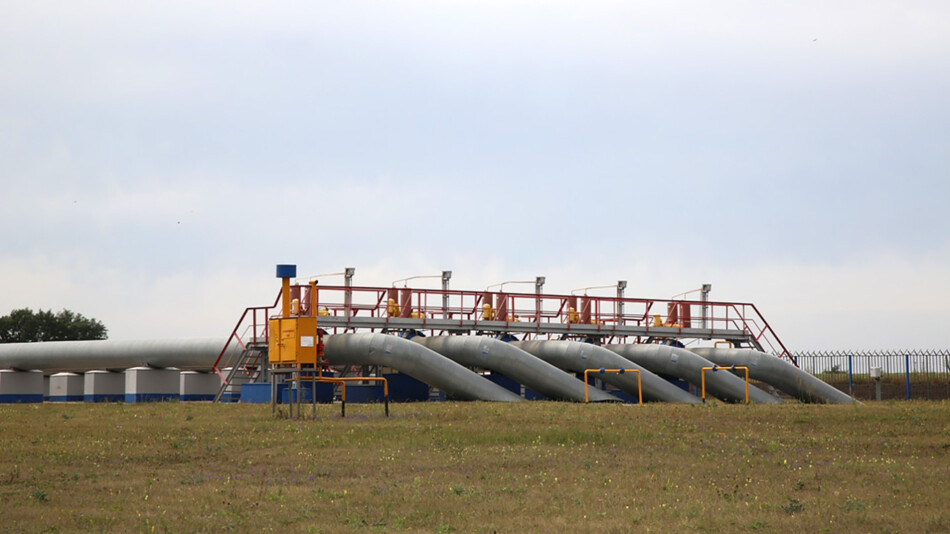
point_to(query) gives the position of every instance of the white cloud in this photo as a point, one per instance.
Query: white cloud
(792, 155)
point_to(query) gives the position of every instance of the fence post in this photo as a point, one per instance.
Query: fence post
(907, 374)
(850, 378)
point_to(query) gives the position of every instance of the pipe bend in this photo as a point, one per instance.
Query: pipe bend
(778, 373)
(416, 361)
(577, 357)
(508, 360)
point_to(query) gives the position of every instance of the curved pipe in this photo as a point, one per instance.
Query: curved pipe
(577, 357)
(81, 356)
(684, 364)
(778, 373)
(416, 361)
(504, 358)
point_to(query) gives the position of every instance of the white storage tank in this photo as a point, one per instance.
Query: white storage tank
(66, 387)
(21, 386)
(103, 386)
(145, 384)
(197, 386)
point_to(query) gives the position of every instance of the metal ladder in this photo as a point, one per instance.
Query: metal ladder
(251, 363)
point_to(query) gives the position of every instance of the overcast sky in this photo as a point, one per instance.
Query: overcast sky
(157, 159)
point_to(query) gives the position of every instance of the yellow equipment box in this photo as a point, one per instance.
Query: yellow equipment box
(292, 340)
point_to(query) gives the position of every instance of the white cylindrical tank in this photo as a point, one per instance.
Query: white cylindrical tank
(145, 384)
(66, 387)
(103, 386)
(197, 386)
(21, 386)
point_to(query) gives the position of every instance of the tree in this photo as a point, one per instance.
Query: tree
(25, 326)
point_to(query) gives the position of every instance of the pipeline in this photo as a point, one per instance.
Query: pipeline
(684, 364)
(504, 358)
(777, 373)
(579, 357)
(200, 355)
(80, 356)
(416, 361)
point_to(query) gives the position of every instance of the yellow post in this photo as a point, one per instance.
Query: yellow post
(618, 371)
(285, 297)
(715, 368)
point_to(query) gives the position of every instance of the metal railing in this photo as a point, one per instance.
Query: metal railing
(436, 309)
(250, 328)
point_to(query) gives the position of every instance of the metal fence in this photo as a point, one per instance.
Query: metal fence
(905, 374)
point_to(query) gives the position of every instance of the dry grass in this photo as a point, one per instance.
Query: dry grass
(443, 467)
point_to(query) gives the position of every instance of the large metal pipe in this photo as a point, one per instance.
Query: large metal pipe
(416, 361)
(687, 365)
(778, 373)
(504, 358)
(80, 356)
(578, 357)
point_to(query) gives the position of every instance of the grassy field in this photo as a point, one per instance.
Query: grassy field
(476, 467)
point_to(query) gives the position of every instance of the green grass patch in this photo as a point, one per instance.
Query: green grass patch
(476, 467)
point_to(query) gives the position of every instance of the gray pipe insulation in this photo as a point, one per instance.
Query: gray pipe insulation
(778, 373)
(684, 364)
(80, 356)
(687, 365)
(578, 357)
(506, 359)
(416, 361)
(200, 355)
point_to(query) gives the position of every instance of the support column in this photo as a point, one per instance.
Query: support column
(446, 276)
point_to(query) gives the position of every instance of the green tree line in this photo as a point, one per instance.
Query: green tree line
(25, 326)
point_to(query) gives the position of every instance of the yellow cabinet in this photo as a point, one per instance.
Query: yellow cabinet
(292, 340)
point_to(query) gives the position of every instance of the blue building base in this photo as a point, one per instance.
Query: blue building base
(404, 388)
(530, 394)
(256, 393)
(117, 397)
(150, 397)
(66, 398)
(230, 397)
(21, 399)
(260, 393)
(364, 394)
(627, 398)
(196, 397)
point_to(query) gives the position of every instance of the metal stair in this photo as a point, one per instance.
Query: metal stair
(250, 367)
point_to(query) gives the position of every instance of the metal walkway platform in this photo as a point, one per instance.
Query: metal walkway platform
(521, 327)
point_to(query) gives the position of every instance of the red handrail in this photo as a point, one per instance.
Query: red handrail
(532, 307)
(234, 333)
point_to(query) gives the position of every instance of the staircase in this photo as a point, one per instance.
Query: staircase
(250, 367)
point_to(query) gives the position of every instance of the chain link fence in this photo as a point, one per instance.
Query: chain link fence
(905, 374)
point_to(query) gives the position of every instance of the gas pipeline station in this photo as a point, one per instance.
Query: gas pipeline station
(338, 344)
